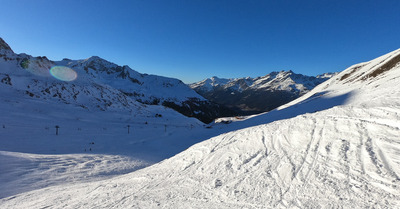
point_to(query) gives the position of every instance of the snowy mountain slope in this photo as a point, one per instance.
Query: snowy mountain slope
(344, 155)
(148, 89)
(252, 95)
(358, 89)
(364, 80)
(33, 102)
(32, 76)
(97, 83)
(92, 144)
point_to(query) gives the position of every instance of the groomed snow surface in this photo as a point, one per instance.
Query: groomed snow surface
(329, 159)
(336, 147)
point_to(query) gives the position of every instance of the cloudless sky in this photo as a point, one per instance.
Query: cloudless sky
(196, 39)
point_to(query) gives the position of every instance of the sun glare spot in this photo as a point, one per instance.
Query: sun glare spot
(63, 73)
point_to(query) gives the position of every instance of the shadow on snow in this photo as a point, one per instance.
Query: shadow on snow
(315, 103)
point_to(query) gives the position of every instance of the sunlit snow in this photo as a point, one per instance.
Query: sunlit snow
(335, 147)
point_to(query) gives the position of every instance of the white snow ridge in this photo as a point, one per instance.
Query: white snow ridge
(337, 146)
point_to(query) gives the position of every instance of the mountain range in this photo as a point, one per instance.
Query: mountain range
(261, 94)
(100, 84)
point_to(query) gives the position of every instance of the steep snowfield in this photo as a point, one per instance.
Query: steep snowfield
(337, 146)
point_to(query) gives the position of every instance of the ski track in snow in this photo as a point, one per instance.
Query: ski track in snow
(39, 171)
(276, 170)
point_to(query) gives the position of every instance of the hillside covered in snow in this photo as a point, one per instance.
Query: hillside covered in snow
(95, 83)
(337, 146)
(62, 124)
(261, 94)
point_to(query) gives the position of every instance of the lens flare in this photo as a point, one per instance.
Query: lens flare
(63, 73)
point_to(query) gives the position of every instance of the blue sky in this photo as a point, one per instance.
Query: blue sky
(195, 39)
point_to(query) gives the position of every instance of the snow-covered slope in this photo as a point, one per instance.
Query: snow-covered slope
(258, 94)
(102, 132)
(149, 89)
(95, 83)
(90, 145)
(336, 147)
(98, 86)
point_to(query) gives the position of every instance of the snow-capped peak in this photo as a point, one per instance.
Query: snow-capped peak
(255, 95)
(4, 46)
(209, 83)
(5, 50)
(326, 75)
(277, 80)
